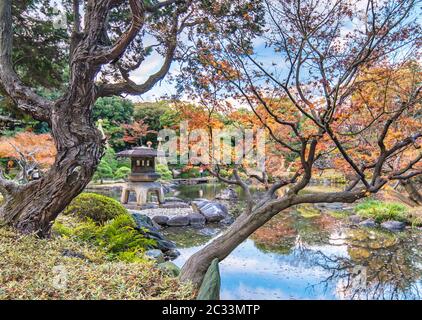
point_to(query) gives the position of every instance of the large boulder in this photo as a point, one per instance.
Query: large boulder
(227, 194)
(178, 221)
(155, 254)
(169, 268)
(213, 212)
(393, 225)
(161, 220)
(196, 219)
(210, 287)
(146, 226)
(368, 223)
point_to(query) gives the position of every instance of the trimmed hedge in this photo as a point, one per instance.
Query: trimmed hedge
(96, 207)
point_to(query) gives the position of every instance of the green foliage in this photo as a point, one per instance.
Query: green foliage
(118, 237)
(114, 109)
(190, 173)
(122, 173)
(164, 171)
(382, 211)
(109, 167)
(93, 206)
(170, 118)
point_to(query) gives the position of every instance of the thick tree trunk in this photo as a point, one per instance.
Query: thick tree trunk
(33, 207)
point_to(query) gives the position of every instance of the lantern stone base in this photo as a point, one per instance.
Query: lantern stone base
(141, 190)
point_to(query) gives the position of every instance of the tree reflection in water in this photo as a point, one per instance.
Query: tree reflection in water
(379, 265)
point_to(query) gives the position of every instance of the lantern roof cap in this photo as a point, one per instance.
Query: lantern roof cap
(136, 152)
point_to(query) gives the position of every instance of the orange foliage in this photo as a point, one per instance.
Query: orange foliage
(39, 146)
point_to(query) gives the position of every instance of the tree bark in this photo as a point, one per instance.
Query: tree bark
(33, 207)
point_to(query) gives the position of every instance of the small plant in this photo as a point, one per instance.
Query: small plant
(122, 173)
(164, 171)
(382, 211)
(96, 207)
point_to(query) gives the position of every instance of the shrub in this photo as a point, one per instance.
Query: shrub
(94, 206)
(164, 171)
(122, 173)
(190, 173)
(382, 211)
(118, 238)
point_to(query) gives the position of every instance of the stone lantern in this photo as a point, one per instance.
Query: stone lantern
(142, 179)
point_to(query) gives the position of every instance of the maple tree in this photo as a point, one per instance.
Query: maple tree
(339, 90)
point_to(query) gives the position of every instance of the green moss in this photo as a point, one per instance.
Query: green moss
(308, 211)
(382, 211)
(96, 207)
(339, 214)
(118, 238)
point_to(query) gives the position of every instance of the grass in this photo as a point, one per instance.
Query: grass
(382, 211)
(32, 268)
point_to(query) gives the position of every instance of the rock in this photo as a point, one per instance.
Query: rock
(208, 232)
(73, 254)
(213, 212)
(210, 287)
(156, 255)
(171, 205)
(355, 219)
(149, 206)
(172, 254)
(170, 268)
(196, 219)
(227, 194)
(368, 223)
(161, 220)
(165, 245)
(178, 221)
(393, 225)
(227, 221)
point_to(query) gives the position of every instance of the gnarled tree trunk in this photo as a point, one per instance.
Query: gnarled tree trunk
(31, 208)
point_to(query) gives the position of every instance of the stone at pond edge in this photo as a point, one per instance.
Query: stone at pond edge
(155, 254)
(196, 219)
(368, 223)
(227, 194)
(355, 219)
(210, 287)
(393, 225)
(178, 221)
(161, 220)
(170, 268)
(213, 212)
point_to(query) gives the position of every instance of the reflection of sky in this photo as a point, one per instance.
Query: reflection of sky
(250, 273)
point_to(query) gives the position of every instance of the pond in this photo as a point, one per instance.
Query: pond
(301, 254)
(298, 255)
